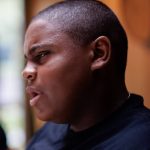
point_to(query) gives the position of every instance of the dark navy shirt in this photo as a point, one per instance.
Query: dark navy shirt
(126, 129)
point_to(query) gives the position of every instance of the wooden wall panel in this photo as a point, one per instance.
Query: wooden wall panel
(134, 16)
(34, 6)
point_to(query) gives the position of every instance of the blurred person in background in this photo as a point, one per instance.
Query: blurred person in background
(3, 141)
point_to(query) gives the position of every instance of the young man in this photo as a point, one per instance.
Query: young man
(76, 55)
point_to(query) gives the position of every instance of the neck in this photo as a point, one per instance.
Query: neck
(100, 106)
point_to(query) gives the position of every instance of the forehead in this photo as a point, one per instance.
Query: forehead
(41, 31)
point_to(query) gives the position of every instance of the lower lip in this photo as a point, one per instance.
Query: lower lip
(34, 100)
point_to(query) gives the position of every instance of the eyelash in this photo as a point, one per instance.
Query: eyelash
(41, 55)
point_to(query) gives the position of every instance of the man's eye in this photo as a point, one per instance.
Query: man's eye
(40, 56)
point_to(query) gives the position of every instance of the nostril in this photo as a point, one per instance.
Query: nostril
(30, 77)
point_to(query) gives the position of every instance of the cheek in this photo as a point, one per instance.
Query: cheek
(63, 74)
(63, 85)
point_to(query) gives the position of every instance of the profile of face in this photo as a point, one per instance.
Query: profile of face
(57, 70)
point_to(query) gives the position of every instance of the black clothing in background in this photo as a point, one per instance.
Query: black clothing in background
(3, 145)
(126, 129)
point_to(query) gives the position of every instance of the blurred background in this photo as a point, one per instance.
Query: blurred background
(16, 116)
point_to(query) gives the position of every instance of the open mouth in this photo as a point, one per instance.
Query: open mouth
(34, 99)
(33, 96)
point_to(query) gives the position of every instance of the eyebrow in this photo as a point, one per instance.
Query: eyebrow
(36, 47)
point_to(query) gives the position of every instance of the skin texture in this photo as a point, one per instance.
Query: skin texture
(61, 74)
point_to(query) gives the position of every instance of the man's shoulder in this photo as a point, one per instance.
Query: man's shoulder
(138, 113)
(47, 135)
(130, 129)
(136, 132)
(135, 136)
(52, 128)
(137, 129)
(134, 110)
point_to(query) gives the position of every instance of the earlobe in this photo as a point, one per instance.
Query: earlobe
(101, 52)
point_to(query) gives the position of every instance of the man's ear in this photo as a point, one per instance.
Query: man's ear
(101, 52)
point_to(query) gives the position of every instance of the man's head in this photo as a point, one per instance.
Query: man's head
(65, 46)
(84, 21)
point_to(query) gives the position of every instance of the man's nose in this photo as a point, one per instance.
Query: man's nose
(29, 73)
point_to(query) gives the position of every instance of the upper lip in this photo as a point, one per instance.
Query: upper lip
(32, 91)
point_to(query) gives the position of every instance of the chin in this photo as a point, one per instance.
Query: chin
(46, 118)
(42, 118)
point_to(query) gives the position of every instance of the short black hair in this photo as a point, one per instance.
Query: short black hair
(86, 20)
